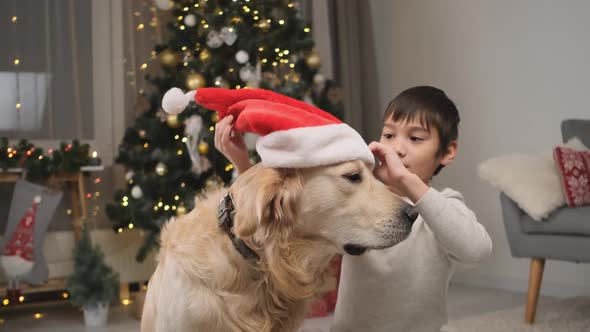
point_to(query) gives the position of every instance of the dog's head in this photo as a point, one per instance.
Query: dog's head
(341, 207)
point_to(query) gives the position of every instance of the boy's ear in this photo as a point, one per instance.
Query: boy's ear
(449, 156)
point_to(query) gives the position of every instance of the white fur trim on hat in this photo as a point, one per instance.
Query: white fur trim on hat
(313, 146)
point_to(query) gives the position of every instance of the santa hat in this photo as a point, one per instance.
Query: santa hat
(17, 258)
(293, 134)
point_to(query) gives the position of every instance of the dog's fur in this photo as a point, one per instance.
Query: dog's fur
(295, 220)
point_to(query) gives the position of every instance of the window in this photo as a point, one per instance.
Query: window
(46, 79)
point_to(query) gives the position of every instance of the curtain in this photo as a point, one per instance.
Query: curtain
(143, 28)
(344, 38)
(46, 69)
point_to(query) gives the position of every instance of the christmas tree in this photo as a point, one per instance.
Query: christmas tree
(221, 43)
(92, 281)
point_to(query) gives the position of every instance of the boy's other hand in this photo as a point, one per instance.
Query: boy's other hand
(231, 144)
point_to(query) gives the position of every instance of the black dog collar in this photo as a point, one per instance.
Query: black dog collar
(226, 223)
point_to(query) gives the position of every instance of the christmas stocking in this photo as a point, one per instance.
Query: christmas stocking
(21, 255)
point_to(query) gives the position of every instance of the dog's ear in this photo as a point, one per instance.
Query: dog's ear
(267, 198)
(276, 203)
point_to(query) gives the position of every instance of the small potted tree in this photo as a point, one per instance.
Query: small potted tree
(93, 285)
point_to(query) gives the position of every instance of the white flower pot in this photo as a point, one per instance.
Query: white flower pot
(96, 315)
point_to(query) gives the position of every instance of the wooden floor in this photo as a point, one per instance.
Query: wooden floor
(463, 301)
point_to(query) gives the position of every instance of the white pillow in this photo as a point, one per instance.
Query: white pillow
(532, 181)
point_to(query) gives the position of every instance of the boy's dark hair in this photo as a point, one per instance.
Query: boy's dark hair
(433, 108)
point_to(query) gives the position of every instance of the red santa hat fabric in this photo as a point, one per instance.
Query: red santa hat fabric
(293, 134)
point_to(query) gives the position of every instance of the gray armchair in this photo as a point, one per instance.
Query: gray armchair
(564, 236)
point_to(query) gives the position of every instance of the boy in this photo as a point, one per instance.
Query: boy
(403, 288)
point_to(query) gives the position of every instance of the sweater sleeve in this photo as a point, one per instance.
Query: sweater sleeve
(455, 226)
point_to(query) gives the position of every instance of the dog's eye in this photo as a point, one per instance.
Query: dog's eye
(354, 177)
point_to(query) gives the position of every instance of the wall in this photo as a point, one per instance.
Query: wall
(515, 70)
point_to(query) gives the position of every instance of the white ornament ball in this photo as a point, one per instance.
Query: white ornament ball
(229, 35)
(319, 79)
(37, 199)
(247, 73)
(129, 175)
(164, 4)
(190, 20)
(242, 56)
(136, 192)
(214, 39)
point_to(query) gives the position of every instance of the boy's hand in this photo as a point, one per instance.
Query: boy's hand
(231, 144)
(392, 172)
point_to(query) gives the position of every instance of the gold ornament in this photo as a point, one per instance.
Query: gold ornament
(203, 148)
(142, 133)
(169, 58)
(293, 77)
(236, 20)
(215, 117)
(313, 60)
(205, 56)
(195, 81)
(172, 121)
(180, 210)
(264, 25)
(161, 169)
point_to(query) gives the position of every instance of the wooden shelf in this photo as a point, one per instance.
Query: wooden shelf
(50, 286)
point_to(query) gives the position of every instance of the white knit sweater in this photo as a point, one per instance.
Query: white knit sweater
(404, 288)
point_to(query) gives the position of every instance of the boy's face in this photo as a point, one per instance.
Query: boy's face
(416, 146)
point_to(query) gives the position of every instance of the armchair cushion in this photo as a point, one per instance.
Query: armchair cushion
(574, 167)
(563, 221)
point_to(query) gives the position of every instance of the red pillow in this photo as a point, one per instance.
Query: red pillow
(574, 166)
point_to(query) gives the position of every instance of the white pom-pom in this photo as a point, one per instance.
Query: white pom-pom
(242, 56)
(37, 199)
(175, 101)
(190, 20)
(136, 192)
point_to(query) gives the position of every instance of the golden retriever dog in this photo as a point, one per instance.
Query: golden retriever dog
(295, 221)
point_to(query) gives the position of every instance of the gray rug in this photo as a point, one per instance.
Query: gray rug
(567, 315)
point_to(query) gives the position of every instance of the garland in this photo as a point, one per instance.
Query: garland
(69, 158)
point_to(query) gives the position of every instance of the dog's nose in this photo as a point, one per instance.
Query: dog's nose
(409, 213)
